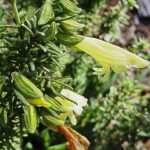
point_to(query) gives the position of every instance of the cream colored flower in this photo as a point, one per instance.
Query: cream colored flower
(71, 107)
(110, 56)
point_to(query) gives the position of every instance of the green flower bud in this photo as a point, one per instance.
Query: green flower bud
(50, 32)
(50, 117)
(31, 119)
(46, 13)
(55, 105)
(69, 39)
(69, 7)
(71, 25)
(30, 92)
(26, 87)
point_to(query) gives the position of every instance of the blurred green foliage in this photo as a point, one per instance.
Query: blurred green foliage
(122, 115)
(105, 18)
(140, 45)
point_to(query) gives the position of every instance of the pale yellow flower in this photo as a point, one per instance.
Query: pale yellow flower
(71, 107)
(110, 56)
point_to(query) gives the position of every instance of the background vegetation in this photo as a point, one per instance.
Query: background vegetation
(118, 111)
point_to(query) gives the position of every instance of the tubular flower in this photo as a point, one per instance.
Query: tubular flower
(110, 56)
(71, 107)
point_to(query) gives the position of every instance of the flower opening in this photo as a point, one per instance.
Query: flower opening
(70, 107)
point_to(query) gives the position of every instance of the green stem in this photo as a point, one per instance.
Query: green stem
(55, 147)
(9, 26)
(15, 11)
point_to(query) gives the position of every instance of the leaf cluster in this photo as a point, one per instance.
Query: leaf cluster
(28, 45)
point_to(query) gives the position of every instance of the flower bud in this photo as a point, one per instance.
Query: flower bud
(46, 13)
(69, 39)
(50, 32)
(50, 117)
(69, 7)
(31, 119)
(30, 92)
(71, 25)
(54, 104)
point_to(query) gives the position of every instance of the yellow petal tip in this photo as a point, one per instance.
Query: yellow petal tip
(39, 102)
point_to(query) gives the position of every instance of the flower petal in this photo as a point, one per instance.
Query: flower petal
(69, 107)
(72, 117)
(107, 72)
(82, 101)
(119, 68)
(77, 109)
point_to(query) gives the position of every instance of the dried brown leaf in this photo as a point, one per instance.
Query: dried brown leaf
(76, 141)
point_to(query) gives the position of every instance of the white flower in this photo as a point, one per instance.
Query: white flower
(71, 107)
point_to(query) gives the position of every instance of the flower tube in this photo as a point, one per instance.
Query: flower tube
(108, 55)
